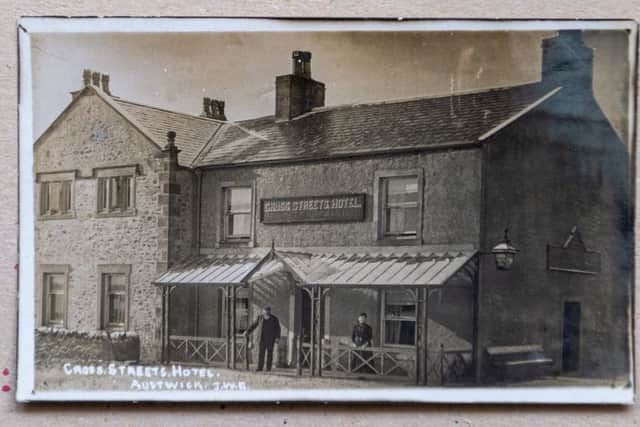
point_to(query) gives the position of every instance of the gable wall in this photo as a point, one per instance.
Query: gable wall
(92, 135)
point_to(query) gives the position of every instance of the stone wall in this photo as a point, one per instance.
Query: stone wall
(548, 172)
(451, 198)
(55, 345)
(92, 135)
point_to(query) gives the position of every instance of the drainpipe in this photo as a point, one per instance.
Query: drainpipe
(199, 212)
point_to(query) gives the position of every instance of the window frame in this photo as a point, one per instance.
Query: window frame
(44, 271)
(223, 222)
(44, 180)
(379, 202)
(383, 318)
(104, 183)
(103, 296)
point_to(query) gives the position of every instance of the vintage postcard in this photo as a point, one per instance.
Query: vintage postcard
(280, 210)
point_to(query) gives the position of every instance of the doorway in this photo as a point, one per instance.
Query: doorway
(571, 337)
(305, 323)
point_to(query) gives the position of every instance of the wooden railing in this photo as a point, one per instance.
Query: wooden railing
(344, 360)
(449, 366)
(206, 350)
(443, 366)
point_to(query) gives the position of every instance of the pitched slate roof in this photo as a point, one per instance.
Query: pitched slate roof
(192, 132)
(368, 128)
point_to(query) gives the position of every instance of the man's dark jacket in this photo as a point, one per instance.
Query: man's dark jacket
(268, 330)
(361, 335)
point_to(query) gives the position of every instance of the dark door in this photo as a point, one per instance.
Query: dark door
(306, 317)
(571, 337)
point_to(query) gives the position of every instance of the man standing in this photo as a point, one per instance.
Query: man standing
(268, 335)
(361, 338)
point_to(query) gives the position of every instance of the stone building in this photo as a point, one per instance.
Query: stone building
(180, 228)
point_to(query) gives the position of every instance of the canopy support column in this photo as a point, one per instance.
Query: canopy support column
(165, 333)
(227, 300)
(422, 344)
(475, 349)
(418, 343)
(425, 338)
(318, 323)
(233, 327)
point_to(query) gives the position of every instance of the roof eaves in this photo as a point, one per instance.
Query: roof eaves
(519, 114)
(347, 155)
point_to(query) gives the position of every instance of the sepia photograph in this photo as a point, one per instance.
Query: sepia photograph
(266, 210)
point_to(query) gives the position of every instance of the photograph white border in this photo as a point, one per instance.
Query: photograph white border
(26, 302)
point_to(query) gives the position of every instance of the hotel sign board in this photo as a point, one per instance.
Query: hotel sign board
(332, 208)
(573, 260)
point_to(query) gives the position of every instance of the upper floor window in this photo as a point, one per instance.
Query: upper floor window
(238, 212)
(399, 206)
(116, 190)
(56, 198)
(56, 194)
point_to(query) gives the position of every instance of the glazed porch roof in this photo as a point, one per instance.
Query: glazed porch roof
(329, 267)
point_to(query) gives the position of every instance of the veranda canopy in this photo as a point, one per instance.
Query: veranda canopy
(327, 267)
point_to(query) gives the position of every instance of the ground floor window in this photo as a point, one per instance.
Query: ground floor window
(399, 314)
(114, 297)
(55, 299)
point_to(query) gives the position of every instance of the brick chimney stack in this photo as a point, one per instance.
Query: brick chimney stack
(567, 61)
(297, 93)
(213, 109)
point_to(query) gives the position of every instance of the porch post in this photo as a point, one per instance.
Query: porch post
(425, 335)
(312, 339)
(475, 349)
(418, 344)
(227, 291)
(319, 328)
(163, 327)
(233, 327)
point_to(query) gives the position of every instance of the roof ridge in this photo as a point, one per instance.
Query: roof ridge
(192, 116)
(408, 99)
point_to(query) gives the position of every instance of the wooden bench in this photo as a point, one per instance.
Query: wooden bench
(518, 362)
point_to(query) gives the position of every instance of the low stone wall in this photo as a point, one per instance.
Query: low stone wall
(53, 345)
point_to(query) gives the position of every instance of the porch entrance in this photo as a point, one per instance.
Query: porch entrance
(414, 345)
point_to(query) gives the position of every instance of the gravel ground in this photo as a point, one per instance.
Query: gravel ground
(90, 377)
(122, 377)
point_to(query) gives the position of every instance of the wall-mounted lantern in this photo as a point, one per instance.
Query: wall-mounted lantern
(504, 252)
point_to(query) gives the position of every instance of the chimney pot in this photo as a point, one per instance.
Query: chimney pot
(301, 63)
(206, 107)
(171, 138)
(86, 77)
(95, 78)
(105, 84)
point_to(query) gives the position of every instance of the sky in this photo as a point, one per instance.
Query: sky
(175, 71)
